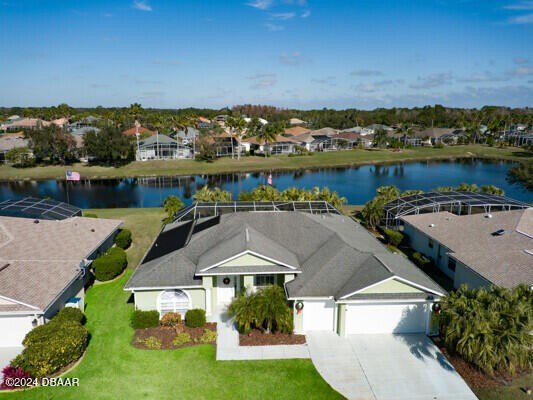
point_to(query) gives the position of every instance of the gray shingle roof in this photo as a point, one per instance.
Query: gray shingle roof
(334, 254)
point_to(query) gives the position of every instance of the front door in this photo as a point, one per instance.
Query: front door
(225, 289)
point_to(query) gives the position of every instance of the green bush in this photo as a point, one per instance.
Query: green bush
(52, 346)
(70, 314)
(195, 318)
(208, 336)
(181, 339)
(151, 342)
(393, 237)
(123, 239)
(90, 215)
(110, 265)
(144, 319)
(421, 260)
(171, 319)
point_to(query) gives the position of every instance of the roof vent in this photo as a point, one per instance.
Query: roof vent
(499, 232)
(35, 221)
(431, 225)
(247, 234)
(488, 216)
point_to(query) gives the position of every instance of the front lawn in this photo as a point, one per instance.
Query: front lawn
(113, 369)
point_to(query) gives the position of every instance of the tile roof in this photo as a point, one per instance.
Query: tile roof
(296, 130)
(41, 259)
(141, 130)
(501, 259)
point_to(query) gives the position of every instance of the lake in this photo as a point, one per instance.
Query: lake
(358, 184)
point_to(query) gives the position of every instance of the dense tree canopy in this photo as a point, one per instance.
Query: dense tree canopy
(109, 146)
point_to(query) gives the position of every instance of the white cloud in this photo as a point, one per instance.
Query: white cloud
(274, 27)
(295, 58)
(521, 60)
(523, 5)
(432, 81)
(486, 76)
(142, 5)
(523, 71)
(260, 4)
(264, 80)
(366, 72)
(521, 19)
(283, 16)
(305, 14)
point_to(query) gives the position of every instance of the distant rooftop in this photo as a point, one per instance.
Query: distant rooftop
(32, 207)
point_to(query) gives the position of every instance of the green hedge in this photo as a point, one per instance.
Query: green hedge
(421, 260)
(110, 265)
(123, 239)
(393, 237)
(144, 319)
(52, 346)
(70, 314)
(195, 318)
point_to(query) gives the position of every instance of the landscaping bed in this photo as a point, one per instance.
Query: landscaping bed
(258, 338)
(164, 337)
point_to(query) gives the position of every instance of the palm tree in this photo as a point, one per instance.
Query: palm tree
(172, 205)
(212, 195)
(326, 195)
(136, 111)
(237, 125)
(380, 138)
(373, 212)
(267, 136)
(405, 129)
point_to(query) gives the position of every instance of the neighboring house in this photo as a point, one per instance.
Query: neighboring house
(187, 136)
(296, 130)
(336, 275)
(478, 249)
(161, 147)
(312, 141)
(373, 128)
(281, 145)
(140, 130)
(355, 129)
(330, 132)
(44, 266)
(261, 120)
(297, 121)
(431, 136)
(83, 130)
(451, 137)
(10, 141)
(225, 143)
(89, 121)
(204, 123)
(25, 123)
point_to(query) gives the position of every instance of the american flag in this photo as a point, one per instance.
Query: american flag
(73, 176)
(269, 179)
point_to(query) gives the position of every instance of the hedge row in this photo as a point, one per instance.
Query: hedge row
(123, 239)
(110, 265)
(144, 319)
(52, 346)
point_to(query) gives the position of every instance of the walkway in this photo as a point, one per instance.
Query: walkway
(386, 367)
(228, 346)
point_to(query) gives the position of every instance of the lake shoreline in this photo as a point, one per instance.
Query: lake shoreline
(151, 169)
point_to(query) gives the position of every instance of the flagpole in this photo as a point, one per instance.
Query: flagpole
(66, 188)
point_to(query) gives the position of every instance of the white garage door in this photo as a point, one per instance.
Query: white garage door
(386, 318)
(13, 330)
(318, 315)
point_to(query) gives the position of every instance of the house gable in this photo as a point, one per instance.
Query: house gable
(391, 286)
(248, 260)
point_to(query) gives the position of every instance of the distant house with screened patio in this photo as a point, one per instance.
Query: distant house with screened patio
(161, 147)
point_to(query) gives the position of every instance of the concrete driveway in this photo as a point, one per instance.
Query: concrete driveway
(386, 367)
(7, 354)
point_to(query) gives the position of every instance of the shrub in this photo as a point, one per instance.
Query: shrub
(151, 342)
(144, 319)
(110, 265)
(51, 347)
(393, 237)
(181, 339)
(195, 318)
(13, 373)
(438, 145)
(421, 260)
(171, 319)
(123, 239)
(208, 336)
(70, 314)
(90, 215)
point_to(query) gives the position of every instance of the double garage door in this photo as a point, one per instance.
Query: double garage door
(13, 329)
(386, 318)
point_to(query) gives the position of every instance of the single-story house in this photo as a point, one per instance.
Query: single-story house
(296, 130)
(327, 131)
(335, 274)
(44, 266)
(373, 128)
(161, 147)
(281, 145)
(296, 121)
(224, 144)
(477, 249)
(25, 123)
(204, 123)
(10, 141)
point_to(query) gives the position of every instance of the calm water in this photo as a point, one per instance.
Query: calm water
(357, 184)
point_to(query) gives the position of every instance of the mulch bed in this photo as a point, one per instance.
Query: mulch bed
(167, 334)
(258, 338)
(475, 378)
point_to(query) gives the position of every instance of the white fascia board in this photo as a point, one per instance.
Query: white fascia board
(310, 298)
(247, 273)
(130, 289)
(384, 301)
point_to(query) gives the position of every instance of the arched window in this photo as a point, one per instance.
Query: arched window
(175, 300)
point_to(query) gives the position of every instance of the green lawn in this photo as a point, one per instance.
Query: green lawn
(248, 164)
(112, 369)
(513, 391)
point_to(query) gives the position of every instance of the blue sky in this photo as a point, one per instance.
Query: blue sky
(288, 53)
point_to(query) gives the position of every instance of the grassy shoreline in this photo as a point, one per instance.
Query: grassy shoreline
(254, 164)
